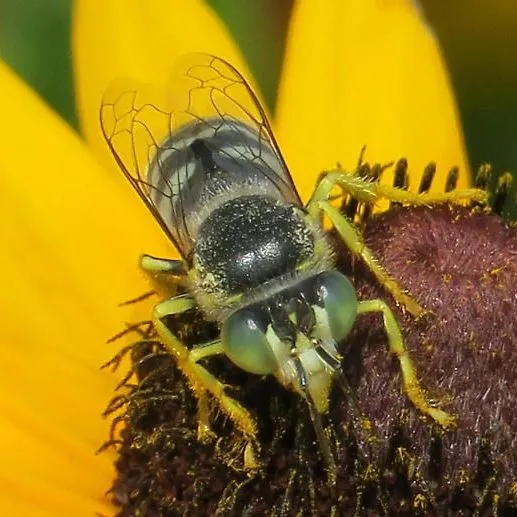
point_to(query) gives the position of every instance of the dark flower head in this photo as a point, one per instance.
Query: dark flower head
(458, 262)
(75, 230)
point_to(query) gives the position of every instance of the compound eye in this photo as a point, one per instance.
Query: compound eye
(339, 301)
(246, 345)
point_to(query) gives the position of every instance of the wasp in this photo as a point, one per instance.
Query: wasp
(254, 258)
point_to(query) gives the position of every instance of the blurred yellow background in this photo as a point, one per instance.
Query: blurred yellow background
(478, 39)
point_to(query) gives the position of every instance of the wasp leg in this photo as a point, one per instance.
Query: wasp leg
(354, 241)
(199, 378)
(160, 267)
(168, 276)
(409, 377)
(373, 191)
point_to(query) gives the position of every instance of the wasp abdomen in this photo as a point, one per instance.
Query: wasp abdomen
(252, 239)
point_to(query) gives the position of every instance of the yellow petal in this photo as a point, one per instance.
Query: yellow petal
(140, 40)
(365, 72)
(71, 235)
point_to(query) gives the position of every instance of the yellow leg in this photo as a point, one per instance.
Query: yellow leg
(409, 377)
(207, 350)
(204, 431)
(354, 241)
(166, 274)
(199, 378)
(369, 191)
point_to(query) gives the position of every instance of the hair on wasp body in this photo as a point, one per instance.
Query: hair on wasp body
(255, 260)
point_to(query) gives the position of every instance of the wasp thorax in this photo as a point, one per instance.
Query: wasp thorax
(250, 240)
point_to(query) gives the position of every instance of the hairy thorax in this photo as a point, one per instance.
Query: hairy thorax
(250, 246)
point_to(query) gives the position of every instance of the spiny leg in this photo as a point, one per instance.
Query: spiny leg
(200, 379)
(409, 377)
(181, 353)
(165, 273)
(430, 198)
(354, 241)
(371, 192)
(166, 276)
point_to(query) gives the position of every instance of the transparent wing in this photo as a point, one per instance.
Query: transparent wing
(202, 140)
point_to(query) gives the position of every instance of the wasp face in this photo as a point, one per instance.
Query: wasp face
(293, 334)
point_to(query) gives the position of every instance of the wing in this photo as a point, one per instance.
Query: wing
(202, 138)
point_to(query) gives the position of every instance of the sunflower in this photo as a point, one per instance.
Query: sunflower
(357, 72)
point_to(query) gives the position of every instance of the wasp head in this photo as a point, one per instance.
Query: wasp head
(294, 334)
